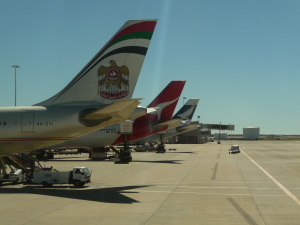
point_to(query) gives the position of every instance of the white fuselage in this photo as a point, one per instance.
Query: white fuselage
(100, 138)
(23, 129)
(105, 137)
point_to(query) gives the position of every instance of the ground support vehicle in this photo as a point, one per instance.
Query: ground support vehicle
(142, 148)
(98, 155)
(14, 177)
(125, 155)
(66, 152)
(102, 153)
(79, 176)
(44, 155)
(234, 149)
(160, 148)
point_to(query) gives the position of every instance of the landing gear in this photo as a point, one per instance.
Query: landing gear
(2, 167)
(125, 153)
(161, 147)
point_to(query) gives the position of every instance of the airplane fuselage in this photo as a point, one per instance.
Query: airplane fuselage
(24, 129)
(107, 136)
(156, 137)
(100, 138)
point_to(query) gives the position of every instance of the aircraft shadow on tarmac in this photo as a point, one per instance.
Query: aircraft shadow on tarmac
(71, 160)
(160, 161)
(184, 152)
(116, 161)
(107, 195)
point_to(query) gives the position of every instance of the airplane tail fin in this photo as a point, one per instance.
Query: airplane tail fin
(112, 73)
(167, 100)
(164, 104)
(187, 111)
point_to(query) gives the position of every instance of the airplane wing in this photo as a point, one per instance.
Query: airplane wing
(119, 109)
(170, 123)
(128, 109)
(186, 128)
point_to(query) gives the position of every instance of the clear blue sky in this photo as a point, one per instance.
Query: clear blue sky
(241, 58)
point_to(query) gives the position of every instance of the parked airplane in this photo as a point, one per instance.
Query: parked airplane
(146, 125)
(185, 115)
(99, 96)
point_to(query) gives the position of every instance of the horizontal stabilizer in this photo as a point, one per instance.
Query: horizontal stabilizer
(140, 111)
(151, 110)
(119, 109)
(170, 123)
(186, 128)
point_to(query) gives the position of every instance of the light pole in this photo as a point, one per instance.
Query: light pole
(15, 66)
(183, 99)
(199, 130)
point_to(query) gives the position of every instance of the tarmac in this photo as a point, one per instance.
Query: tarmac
(196, 184)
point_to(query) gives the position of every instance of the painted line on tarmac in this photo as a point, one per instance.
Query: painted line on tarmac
(275, 181)
(190, 187)
(209, 193)
(215, 171)
(210, 187)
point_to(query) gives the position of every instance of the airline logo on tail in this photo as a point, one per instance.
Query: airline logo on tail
(113, 81)
(105, 78)
(187, 111)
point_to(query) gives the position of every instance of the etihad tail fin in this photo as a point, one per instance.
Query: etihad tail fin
(112, 73)
(187, 111)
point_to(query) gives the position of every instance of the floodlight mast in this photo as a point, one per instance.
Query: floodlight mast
(15, 66)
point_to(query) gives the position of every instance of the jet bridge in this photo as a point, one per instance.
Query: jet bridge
(217, 127)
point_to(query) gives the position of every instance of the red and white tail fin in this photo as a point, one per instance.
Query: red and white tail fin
(165, 103)
(112, 73)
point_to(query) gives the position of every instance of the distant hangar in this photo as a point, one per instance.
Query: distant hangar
(251, 133)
